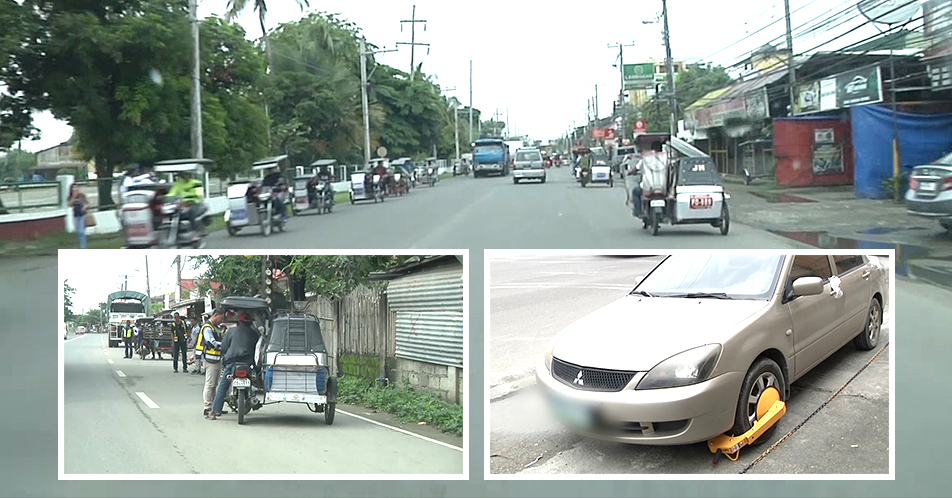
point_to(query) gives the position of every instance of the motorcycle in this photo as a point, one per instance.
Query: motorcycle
(175, 231)
(241, 397)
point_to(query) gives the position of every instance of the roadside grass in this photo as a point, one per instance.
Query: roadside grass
(341, 197)
(404, 402)
(63, 240)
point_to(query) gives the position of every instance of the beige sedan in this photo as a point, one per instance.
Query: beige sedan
(705, 342)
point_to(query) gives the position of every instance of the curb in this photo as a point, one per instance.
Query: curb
(937, 272)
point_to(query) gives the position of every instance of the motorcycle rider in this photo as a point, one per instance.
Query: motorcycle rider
(585, 163)
(323, 175)
(238, 346)
(189, 190)
(274, 180)
(635, 174)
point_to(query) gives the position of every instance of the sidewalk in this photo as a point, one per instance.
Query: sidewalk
(831, 217)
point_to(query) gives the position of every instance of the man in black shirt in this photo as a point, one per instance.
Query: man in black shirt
(180, 336)
(276, 182)
(238, 347)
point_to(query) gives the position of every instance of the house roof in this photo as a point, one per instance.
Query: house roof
(414, 266)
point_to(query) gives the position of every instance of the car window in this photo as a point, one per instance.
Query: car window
(528, 156)
(811, 266)
(847, 263)
(945, 160)
(740, 277)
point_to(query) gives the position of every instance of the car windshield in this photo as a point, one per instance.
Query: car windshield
(487, 149)
(745, 276)
(527, 156)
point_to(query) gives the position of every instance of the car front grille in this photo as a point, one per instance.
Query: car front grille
(590, 379)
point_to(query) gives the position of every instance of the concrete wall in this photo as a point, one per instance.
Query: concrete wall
(445, 381)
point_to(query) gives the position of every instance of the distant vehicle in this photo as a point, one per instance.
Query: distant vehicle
(122, 306)
(527, 165)
(490, 157)
(930, 191)
(80, 330)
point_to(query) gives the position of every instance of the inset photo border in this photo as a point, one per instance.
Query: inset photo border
(630, 365)
(390, 327)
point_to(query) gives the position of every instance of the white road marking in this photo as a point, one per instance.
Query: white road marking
(74, 339)
(105, 353)
(119, 373)
(145, 399)
(110, 361)
(441, 443)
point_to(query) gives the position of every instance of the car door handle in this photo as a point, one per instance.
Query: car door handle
(866, 274)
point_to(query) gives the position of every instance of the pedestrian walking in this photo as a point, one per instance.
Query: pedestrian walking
(179, 344)
(210, 342)
(194, 345)
(79, 204)
(127, 338)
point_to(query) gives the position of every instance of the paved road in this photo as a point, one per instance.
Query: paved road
(132, 416)
(832, 442)
(494, 213)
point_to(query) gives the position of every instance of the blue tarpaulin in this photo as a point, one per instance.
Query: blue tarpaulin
(923, 138)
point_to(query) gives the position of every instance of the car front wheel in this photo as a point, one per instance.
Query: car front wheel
(762, 386)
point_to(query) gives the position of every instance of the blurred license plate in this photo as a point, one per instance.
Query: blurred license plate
(572, 413)
(927, 186)
(239, 214)
(657, 203)
(242, 383)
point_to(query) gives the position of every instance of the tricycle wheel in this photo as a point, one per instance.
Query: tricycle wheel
(655, 222)
(231, 230)
(644, 223)
(725, 220)
(329, 411)
(611, 183)
(242, 407)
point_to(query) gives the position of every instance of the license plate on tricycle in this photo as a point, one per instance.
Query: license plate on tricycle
(241, 383)
(657, 203)
(701, 202)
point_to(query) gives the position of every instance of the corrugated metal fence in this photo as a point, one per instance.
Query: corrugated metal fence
(429, 315)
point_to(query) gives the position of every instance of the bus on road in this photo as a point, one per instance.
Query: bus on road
(122, 306)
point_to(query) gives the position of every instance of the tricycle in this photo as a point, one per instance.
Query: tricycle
(428, 173)
(156, 336)
(680, 186)
(315, 192)
(259, 201)
(153, 218)
(367, 185)
(291, 362)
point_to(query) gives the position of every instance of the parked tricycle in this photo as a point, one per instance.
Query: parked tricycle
(291, 362)
(260, 201)
(428, 173)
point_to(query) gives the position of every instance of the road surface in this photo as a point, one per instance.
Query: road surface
(494, 213)
(133, 416)
(533, 297)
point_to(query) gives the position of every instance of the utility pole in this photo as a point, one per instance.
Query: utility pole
(455, 121)
(790, 69)
(622, 110)
(178, 285)
(197, 151)
(413, 20)
(364, 98)
(595, 108)
(669, 63)
(508, 129)
(148, 289)
(470, 102)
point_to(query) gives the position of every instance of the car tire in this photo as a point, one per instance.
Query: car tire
(515, 181)
(764, 373)
(869, 337)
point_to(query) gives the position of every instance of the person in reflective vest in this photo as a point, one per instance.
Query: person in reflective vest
(209, 347)
(126, 333)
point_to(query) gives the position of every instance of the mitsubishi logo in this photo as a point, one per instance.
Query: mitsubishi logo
(578, 379)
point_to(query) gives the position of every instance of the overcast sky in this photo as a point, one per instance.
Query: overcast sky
(96, 274)
(541, 61)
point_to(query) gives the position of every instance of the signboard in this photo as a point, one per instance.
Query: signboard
(756, 104)
(823, 136)
(808, 98)
(638, 76)
(641, 126)
(609, 134)
(827, 159)
(598, 133)
(860, 86)
(828, 94)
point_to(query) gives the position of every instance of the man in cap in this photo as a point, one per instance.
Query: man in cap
(239, 346)
(179, 343)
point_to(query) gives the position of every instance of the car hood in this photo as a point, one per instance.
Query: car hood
(635, 333)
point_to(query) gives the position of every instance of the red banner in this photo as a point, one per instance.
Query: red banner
(609, 133)
(641, 126)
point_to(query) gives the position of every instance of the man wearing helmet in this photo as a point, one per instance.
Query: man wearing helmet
(238, 346)
(190, 192)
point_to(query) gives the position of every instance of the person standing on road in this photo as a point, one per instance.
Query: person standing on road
(127, 338)
(209, 346)
(193, 344)
(239, 346)
(635, 175)
(179, 344)
(79, 204)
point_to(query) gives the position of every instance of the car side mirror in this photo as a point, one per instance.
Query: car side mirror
(807, 286)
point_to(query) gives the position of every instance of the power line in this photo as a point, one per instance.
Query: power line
(747, 36)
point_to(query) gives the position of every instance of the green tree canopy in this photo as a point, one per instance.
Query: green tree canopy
(68, 293)
(690, 86)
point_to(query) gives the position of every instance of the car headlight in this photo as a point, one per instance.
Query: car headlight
(683, 369)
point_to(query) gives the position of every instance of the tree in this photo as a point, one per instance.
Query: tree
(690, 86)
(329, 276)
(15, 116)
(235, 7)
(68, 292)
(16, 163)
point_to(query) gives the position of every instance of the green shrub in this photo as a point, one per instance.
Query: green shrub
(404, 402)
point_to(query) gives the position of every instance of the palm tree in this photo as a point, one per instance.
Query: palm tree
(235, 7)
